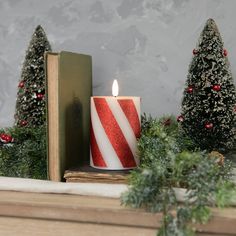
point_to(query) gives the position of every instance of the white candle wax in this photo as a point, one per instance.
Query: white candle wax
(115, 127)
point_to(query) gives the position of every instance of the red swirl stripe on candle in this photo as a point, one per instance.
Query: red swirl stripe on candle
(128, 107)
(96, 154)
(114, 133)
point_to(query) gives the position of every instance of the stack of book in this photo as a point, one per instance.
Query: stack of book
(87, 174)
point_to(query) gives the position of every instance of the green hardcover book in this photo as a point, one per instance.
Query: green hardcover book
(69, 88)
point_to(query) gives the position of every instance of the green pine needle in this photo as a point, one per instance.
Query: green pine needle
(169, 160)
(26, 156)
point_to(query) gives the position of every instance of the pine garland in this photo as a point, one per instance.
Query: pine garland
(169, 160)
(26, 155)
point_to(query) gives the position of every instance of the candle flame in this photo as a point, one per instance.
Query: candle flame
(115, 88)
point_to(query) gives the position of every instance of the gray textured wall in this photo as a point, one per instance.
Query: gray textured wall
(146, 44)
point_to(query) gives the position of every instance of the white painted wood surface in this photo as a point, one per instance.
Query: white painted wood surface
(84, 189)
(44, 186)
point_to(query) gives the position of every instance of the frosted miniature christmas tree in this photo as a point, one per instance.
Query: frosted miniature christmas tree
(30, 104)
(208, 107)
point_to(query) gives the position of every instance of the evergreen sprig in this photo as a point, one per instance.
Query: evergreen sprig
(26, 156)
(170, 160)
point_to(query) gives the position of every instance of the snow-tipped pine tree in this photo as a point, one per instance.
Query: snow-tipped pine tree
(208, 107)
(30, 104)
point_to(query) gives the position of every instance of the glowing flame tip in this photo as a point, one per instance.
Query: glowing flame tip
(115, 88)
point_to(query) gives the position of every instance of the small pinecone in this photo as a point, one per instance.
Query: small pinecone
(218, 156)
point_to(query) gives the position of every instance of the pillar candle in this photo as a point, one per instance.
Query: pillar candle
(115, 127)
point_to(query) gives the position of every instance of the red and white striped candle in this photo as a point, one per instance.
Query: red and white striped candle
(115, 127)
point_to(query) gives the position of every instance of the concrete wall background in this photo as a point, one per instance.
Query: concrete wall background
(145, 44)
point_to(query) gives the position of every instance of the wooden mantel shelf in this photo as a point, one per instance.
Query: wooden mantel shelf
(23, 213)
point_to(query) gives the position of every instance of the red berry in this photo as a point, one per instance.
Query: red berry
(190, 89)
(216, 87)
(39, 95)
(195, 51)
(8, 139)
(208, 125)
(180, 118)
(21, 84)
(225, 53)
(23, 123)
(5, 138)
